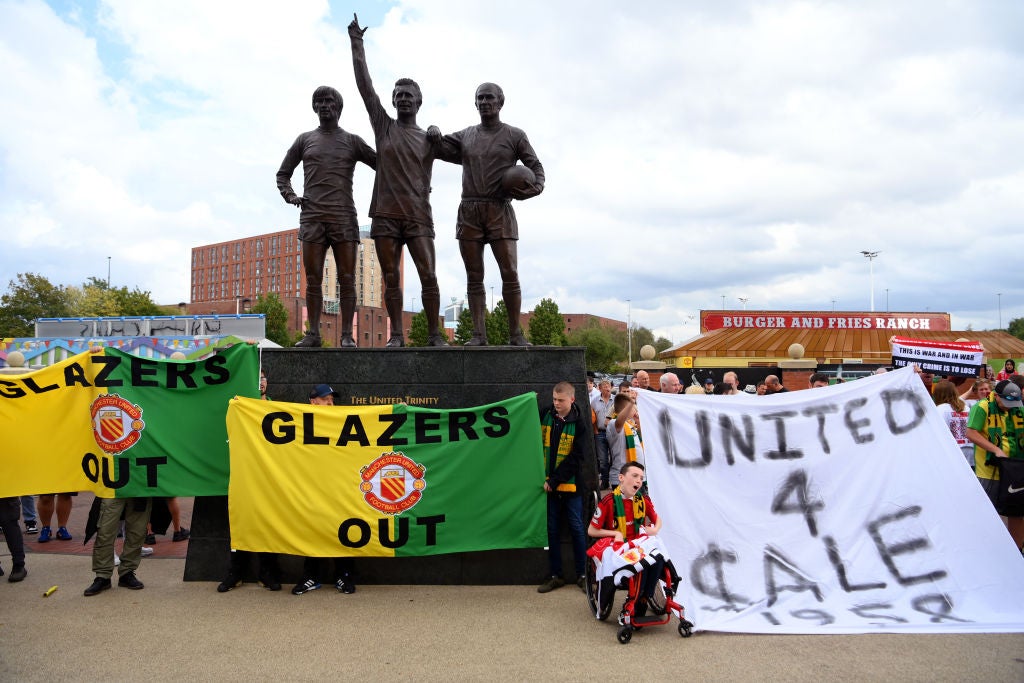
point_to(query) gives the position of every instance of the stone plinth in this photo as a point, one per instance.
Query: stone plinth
(448, 377)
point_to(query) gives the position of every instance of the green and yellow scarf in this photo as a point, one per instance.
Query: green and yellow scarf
(565, 441)
(639, 513)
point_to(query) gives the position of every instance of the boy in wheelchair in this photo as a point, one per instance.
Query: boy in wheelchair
(623, 515)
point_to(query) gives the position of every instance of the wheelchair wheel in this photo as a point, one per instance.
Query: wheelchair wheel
(625, 634)
(685, 628)
(599, 611)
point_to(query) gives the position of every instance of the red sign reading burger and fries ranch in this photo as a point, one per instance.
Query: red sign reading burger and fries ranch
(822, 320)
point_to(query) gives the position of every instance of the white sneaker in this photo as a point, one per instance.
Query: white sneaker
(146, 551)
(117, 560)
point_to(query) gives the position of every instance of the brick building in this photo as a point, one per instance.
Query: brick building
(227, 277)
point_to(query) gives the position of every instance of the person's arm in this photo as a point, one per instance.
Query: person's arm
(529, 158)
(626, 412)
(979, 440)
(292, 158)
(366, 154)
(446, 147)
(596, 529)
(362, 72)
(654, 527)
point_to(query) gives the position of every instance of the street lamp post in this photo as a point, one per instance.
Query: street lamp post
(743, 300)
(999, 299)
(871, 256)
(629, 333)
(108, 272)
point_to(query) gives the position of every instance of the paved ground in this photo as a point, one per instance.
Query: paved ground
(174, 630)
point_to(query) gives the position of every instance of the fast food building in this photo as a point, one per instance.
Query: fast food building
(794, 344)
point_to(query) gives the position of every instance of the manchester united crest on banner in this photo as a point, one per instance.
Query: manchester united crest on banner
(116, 423)
(392, 483)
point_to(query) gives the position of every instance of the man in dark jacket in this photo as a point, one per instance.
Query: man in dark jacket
(563, 432)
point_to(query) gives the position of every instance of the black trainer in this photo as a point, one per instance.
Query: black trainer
(269, 581)
(98, 586)
(231, 581)
(345, 585)
(130, 581)
(18, 573)
(305, 587)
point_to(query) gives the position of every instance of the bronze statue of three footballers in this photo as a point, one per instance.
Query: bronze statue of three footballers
(400, 204)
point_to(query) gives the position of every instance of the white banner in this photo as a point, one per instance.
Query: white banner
(846, 509)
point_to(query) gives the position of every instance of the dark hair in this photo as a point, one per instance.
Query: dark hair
(412, 84)
(818, 377)
(632, 463)
(721, 389)
(325, 90)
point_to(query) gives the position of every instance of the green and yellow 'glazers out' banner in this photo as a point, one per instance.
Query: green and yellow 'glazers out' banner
(385, 481)
(122, 426)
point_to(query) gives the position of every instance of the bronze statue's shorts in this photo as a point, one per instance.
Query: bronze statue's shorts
(320, 232)
(400, 229)
(486, 221)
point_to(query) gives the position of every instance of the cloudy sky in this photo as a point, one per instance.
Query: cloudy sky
(693, 150)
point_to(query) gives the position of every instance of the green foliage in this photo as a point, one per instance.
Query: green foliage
(603, 353)
(497, 325)
(419, 332)
(660, 344)
(270, 305)
(1016, 328)
(30, 297)
(94, 299)
(464, 328)
(547, 328)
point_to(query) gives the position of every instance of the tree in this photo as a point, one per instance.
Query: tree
(270, 305)
(419, 333)
(497, 325)
(30, 297)
(547, 328)
(602, 353)
(1016, 328)
(94, 299)
(464, 329)
(660, 344)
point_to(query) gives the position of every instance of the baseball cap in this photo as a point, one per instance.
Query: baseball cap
(1010, 393)
(709, 380)
(321, 390)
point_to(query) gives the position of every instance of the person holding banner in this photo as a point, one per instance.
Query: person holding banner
(996, 428)
(10, 509)
(324, 395)
(136, 516)
(623, 515)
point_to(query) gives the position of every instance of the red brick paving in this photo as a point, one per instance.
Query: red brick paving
(80, 504)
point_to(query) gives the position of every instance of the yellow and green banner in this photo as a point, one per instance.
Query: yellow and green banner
(122, 426)
(385, 481)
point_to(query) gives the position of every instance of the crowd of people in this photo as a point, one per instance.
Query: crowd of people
(986, 421)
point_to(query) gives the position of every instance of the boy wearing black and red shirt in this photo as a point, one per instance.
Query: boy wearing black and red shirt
(622, 515)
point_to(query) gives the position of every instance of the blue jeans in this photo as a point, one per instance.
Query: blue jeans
(28, 508)
(569, 505)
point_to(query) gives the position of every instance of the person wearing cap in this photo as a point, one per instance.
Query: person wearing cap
(709, 385)
(996, 428)
(324, 395)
